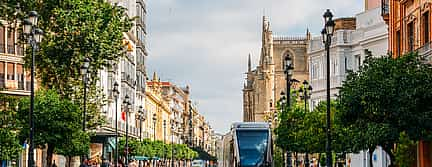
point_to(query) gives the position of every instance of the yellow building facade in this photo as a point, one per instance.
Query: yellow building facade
(157, 125)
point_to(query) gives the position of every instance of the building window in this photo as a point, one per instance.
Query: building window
(358, 62)
(20, 76)
(11, 42)
(426, 28)
(398, 43)
(335, 66)
(10, 71)
(346, 63)
(315, 71)
(2, 74)
(410, 35)
(2, 40)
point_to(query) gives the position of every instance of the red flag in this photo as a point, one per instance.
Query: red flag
(123, 116)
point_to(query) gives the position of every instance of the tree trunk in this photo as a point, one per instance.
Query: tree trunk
(371, 150)
(69, 159)
(50, 151)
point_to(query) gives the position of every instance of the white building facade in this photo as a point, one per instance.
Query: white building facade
(130, 74)
(347, 52)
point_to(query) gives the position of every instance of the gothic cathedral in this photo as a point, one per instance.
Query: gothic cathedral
(264, 84)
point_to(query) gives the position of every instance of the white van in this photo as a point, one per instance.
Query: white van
(198, 163)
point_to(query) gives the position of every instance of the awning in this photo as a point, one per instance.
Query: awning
(140, 158)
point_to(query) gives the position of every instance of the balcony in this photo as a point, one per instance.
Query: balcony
(12, 84)
(2, 48)
(20, 85)
(20, 51)
(385, 10)
(128, 79)
(11, 49)
(426, 51)
(2, 81)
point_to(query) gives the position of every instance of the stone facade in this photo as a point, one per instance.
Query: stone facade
(264, 84)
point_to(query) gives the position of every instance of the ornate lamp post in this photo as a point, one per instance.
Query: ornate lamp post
(172, 142)
(142, 117)
(34, 35)
(305, 94)
(116, 95)
(327, 34)
(282, 104)
(154, 126)
(127, 104)
(164, 141)
(288, 70)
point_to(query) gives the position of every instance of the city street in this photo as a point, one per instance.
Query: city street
(227, 83)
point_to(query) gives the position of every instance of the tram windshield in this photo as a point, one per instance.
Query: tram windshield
(252, 147)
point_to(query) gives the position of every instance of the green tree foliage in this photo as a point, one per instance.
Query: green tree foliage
(9, 143)
(55, 120)
(157, 149)
(405, 150)
(386, 97)
(289, 130)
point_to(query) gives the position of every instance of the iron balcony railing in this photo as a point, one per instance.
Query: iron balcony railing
(20, 51)
(2, 48)
(11, 49)
(426, 51)
(2, 80)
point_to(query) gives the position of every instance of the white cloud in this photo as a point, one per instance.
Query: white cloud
(205, 43)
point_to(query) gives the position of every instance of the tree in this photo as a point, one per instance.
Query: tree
(55, 119)
(75, 30)
(9, 142)
(388, 96)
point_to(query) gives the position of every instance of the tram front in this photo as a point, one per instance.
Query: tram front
(254, 145)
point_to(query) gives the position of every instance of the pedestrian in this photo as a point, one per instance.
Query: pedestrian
(84, 163)
(104, 163)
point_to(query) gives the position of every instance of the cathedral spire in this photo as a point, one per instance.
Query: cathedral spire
(155, 77)
(249, 63)
(308, 34)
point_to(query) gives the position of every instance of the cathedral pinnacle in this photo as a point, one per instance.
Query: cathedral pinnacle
(249, 63)
(155, 77)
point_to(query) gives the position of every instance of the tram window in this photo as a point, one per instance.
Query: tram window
(252, 146)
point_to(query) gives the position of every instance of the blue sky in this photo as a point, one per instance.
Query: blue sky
(205, 43)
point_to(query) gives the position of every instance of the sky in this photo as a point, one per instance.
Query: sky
(205, 44)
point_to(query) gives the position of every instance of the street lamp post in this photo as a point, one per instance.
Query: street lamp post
(127, 104)
(327, 34)
(305, 94)
(172, 142)
(164, 141)
(34, 35)
(282, 104)
(142, 114)
(116, 95)
(154, 126)
(142, 117)
(288, 70)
